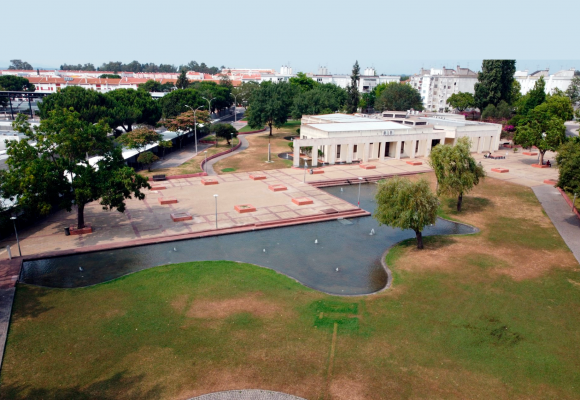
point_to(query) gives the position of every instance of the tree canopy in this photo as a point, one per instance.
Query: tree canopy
(186, 122)
(270, 104)
(51, 168)
(398, 96)
(353, 96)
(573, 91)
(110, 76)
(127, 107)
(182, 81)
(16, 83)
(20, 65)
(224, 131)
(546, 134)
(495, 82)
(154, 86)
(78, 67)
(461, 101)
(302, 82)
(323, 99)
(534, 97)
(456, 170)
(568, 159)
(174, 103)
(91, 106)
(147, 158)
(406, 205)
(139, 138)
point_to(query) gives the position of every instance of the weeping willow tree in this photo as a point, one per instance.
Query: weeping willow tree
(406, 205)
(456, 170)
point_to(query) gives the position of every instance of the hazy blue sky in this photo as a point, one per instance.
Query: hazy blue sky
(394, 37)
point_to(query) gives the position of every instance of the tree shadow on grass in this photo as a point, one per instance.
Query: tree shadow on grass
(119, 386)
(28, 302)
(470, 205)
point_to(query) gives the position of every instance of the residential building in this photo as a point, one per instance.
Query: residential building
(437, 85)
(560, 80)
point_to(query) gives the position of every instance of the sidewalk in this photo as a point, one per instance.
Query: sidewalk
(179, 157)
(565, 221)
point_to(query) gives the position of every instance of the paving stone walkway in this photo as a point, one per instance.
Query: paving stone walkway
(209, 165)
(247, 394)
(565, 221)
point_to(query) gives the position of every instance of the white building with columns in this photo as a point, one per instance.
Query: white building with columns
(346, 138)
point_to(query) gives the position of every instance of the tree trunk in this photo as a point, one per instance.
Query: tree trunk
(270, 125)
(419, 236)
(459, 201)
(542, 157)
(180, 141)
(80, 216)
(149, 167)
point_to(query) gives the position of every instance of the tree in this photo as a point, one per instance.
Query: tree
(165, 144)
(534, 97)
(568, 160)
(406, 205)
(573, 91)
(320, 100)
(16, 83)
(244, 91)
(489, 112)
(186, 122)
(129, 106)
(546, 135)
(554, 106)
(495, 82)
(51, 167)
(399, 97)
(456, 170)
(224, 131)
(211, 90)
(302, 82)
(461, 101)
(174, 103)
(182, 81)
(110, 76)
(20, 65)
(78, 67)
(139, 138)
(352, 98)
(147, 158)
(92, 106)
(154, 86)
(270, 105)
(516, 93)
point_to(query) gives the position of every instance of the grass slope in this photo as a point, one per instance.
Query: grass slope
(492, 315)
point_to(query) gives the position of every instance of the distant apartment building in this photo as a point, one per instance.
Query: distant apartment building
(437, 85)
(367, 82)
(560, 80)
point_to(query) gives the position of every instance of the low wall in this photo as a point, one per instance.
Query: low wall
(565, 196)
(246, 133)
(202, 164)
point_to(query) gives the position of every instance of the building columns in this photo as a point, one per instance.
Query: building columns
(382, 150)
(314, 155)
(296, 154)
(366, 152)
(428, 144)
(349, 153)
(413, 147)
(398, 150)
(331, 154)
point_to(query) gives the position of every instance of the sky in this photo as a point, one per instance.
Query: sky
(393, 37)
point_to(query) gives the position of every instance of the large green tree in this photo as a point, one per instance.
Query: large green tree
(546, 134)
(186, 122)
(456, 170)
(270, 105)
(573, 91)
(154, 86)
(495, 82)
(91, 106)
(533, 98)
(399, 97)
(461, 101)
(302, 82)
(129, 106)
(51, 168)
(182, 81)
(324, 98)
(211, 90)
(20, 65)
(406, 205)
(138, 139)
(353, 95)
(15, 83)
(568, 160)
(224, 131)
(174, 103)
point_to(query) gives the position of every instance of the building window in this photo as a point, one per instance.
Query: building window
(354, 148)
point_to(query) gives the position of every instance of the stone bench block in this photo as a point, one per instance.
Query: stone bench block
(500, 170)
(550, 181)
(167, 200)
(414, 162)
(366, 166)
(317, 171)
(277, 188)
(83, 231)
(540, 166)
(208, 181)
(257, 177)
(177, 217)
(245, 208)
(302, 201)
(529, 153)
(157, 188)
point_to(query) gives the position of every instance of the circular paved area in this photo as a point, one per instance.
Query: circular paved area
(247, 394)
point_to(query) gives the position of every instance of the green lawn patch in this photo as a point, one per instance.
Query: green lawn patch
(248, 129)
(228, 170)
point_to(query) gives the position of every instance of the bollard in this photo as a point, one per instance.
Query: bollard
(9, 252)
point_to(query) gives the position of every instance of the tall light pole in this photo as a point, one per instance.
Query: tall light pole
(305, 166)
(16, 232)
(215, 197)
(235, 104)
(208, 104)
(205, 162)
(195, 124)
(359, 182)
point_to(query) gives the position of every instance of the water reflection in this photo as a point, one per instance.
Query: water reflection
(290, 250)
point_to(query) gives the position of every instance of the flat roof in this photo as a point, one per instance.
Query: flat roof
(360, 126)
(342, 118)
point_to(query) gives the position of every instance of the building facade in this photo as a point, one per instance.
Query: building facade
(561, 80)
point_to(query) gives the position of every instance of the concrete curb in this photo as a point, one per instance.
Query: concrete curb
(567, 199)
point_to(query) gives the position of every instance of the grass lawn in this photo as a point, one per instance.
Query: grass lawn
(191, 166)
(255, 156)
(248, 129)
(492, 316)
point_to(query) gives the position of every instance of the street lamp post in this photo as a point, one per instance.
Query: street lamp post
(195, 124)
(208, 104)
(232, 140)
(359, 182)
(305, 166)
(16, 232)
(235, 104)
(205, 162)
(215, 197)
